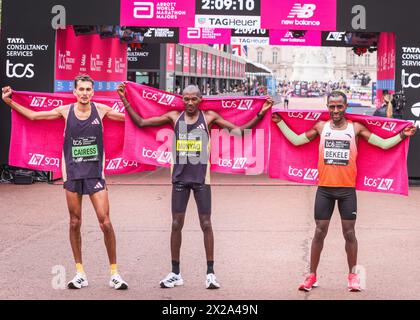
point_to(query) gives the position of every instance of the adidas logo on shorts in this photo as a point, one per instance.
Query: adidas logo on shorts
(98, 186)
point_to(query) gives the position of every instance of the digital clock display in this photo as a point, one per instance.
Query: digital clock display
(228, 7)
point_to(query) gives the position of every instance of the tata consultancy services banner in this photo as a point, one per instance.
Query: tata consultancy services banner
(157, 13)
(299, 15)
(105, 60)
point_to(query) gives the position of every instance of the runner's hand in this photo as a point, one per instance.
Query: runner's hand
(267, 105)
(121, 90)
(409, 131)
(275, 118)
(6, 93)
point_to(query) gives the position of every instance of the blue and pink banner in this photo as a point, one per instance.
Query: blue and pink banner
(105, 60)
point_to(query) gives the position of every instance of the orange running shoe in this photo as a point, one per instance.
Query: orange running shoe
(354, 282)
(309, 282)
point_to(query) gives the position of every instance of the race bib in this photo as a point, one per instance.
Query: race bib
(337, 152)
(84, 150)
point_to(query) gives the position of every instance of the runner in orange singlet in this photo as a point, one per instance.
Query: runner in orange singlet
(337, 178)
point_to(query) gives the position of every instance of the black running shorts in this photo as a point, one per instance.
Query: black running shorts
(85, 186)
(181, 194)
(325, 202)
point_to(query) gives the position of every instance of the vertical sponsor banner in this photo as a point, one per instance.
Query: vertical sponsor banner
(26, 55)
(299, 15)
(204, 36)
(170, 57)
(209, 64)
(105, 60)
(285, 38)
(228, 14)
(179, 56)
(157, 13)
(193, 61)
(199, 63)
(408, 79)
(204, 63)
(385, 64)
(221, 66)
(213, 65)
(186, 67)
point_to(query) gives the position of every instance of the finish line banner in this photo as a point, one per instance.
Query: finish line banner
(377, 170)
(229, 154)
(38, 145)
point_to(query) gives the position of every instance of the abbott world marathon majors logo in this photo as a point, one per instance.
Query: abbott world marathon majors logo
(300, 15)
(160, 98)
(383, 184)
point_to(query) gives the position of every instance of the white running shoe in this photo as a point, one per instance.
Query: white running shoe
(79, 281)
(117, 282)
(211, 282)
(172, 280)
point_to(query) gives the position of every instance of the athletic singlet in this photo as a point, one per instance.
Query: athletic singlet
(337, 157)
(191, 151)
(83, 150)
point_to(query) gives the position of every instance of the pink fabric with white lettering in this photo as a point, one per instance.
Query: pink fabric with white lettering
(378, 170)
(153, 145)
(38, 145)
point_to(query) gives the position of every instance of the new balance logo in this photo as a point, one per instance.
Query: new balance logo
(300, 11)
(96, 121)
(98, 186)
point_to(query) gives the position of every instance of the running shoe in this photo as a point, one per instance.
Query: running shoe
(211, 282)
(117, 282)
(79, 281)
(353, 283)
(172, 280)
(309, 282)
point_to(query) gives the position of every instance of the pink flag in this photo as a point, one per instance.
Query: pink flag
(378, 170)
(153, 145)
(38, 145)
